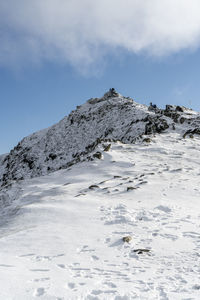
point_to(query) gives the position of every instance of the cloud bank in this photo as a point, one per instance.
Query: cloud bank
(83, 32)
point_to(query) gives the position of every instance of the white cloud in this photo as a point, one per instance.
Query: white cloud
(82, 32)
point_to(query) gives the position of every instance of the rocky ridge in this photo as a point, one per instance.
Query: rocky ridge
(110, 118)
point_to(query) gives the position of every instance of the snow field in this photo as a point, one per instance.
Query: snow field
(63, 239)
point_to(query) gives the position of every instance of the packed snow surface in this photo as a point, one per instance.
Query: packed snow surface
(62, 237)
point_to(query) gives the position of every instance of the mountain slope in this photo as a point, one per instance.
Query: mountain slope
(64, 237)
(112, 169)
(112, 117)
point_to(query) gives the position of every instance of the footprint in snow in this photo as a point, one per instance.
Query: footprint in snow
(110, 284)
(62, 266)
(96, 292)
(163, 208)
(71, 285)
(6, 266)
(41, 279)
(191, 234)
(169, 236)
(58, 255)
(39, 292)
(39, 270)
(86, 248)
(107, 240)
(26, 255)
(196, 287)
(94, 257)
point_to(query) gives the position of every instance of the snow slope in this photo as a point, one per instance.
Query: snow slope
(63, 237)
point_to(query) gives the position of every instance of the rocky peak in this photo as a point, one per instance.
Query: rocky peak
(108, 95)
(111, 94)
(109, 118)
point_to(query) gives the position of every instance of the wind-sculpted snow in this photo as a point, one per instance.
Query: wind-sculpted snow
(112, 117)
(64, 235)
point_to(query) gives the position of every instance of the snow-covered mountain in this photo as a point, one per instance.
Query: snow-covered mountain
(112, 118)
(113, 169)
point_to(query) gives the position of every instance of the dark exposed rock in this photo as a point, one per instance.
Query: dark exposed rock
(94, 186)
(192, 132)
(179, 108)
(175, 113)
(130, 188)
(52, 156)
(107, 147)
(97, 155)
(182, 120)
(29, 161)
(141, 251)
(155, 125)
(147, 140)
(127, 239)
(110, 94)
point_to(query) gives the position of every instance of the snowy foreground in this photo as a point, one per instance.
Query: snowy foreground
(62, 238)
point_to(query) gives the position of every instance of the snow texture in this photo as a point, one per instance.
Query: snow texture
(62, 234)
(64, 238)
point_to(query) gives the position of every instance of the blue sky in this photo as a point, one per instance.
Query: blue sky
(48, 67)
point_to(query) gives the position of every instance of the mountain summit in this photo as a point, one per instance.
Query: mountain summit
(112, 117)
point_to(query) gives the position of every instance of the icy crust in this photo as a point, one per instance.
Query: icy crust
(112, 117)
